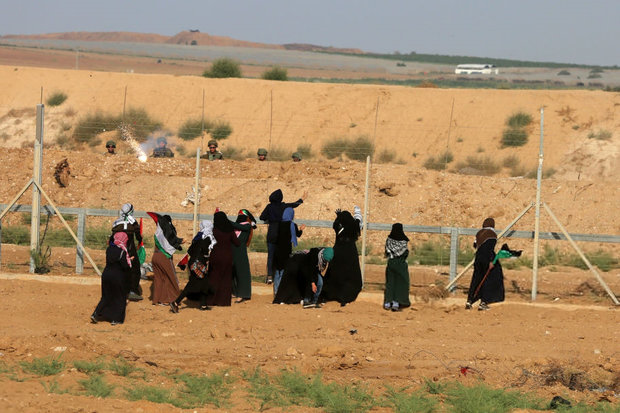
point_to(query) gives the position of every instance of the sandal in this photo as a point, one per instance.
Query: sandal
(241, 300)
(204, 308)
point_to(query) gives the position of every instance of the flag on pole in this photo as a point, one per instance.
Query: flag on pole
(141, 249)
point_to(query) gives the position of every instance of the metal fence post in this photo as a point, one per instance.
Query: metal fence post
(454, 253)
(79, 256)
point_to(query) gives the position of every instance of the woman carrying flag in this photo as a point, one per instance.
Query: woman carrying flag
(198, 285)
(487, 282)
(165, 281)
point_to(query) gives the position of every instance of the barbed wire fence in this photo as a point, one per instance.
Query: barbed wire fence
(354, 141)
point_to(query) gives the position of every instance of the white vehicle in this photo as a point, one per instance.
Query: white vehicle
(476, 69)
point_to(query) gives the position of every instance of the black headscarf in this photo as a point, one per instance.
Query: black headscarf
(245, 215)
(397, 233)
(221, 222)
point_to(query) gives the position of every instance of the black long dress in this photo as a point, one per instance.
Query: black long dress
(220, 268)
(284, 247)
(343, 279)
(133, 239)
(492, 289)
(197, 288)
(114, 292)
(300, 272)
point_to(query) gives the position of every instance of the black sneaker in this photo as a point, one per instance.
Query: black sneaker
(468, 305)
(483, 307)
(134, 297)
(269, 280)
(174, 307)
(93, 319)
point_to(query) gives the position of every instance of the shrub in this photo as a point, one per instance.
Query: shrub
(563, 73)
(222, 68)
(594, 76)
(96, 386)
(360, 148)
(191, 129)
(234, 153)
(140, 123)
(92, 125)
(519, 120)
(181, 150)
(279, 154)
(597, 70)
(220, 130)
(275, 73)
(334, 147)
(56, 99)
(65, 142)
(479, 165)
(514, 137)
(46, 366)
(546, 173)
(511, 161)
(386, 156)
(305, 150)
(601, 135)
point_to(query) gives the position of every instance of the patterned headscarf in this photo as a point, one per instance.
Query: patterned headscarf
(325, 256)
(206, 229)
(120, 240)
(125, 215)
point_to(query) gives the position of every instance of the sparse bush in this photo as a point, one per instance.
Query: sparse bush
(91, 125)
(56, 99)
(223, 68)
(96, 386)
(275, 73)
(563, 73)
(279, 154)
(546, 173)
(181, 150)
(594, 76)
(191, 129)
(478, 165)
(305, 150)
(64, 142)
(235, 153)
(220, 130)
(514, 137)
(511, 161)
(70, 112)
(140, 123)
(601, 135)
(360, 148)
(334, 147)
(519, 120)
(89, 367)
(46, 366)
(386, 156)
(440, 163)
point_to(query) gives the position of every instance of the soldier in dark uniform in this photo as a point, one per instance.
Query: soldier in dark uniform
(162, 151)
(262, 154)
(111, 148)
(213, 153)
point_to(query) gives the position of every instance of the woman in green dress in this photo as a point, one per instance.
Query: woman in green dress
(242, 275)
(396, 296)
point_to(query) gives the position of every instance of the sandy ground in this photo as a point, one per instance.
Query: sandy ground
(513, 345)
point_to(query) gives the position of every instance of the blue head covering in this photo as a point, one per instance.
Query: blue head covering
(287, 216)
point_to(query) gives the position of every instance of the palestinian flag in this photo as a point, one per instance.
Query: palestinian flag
(166, 239)
(141, 250)
(506, 252)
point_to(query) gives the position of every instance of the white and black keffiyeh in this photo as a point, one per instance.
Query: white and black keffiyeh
(394, 248)
(125, 216)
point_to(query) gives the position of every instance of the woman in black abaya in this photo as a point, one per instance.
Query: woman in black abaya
(343, 278)
(114, 284)
(490, 289)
